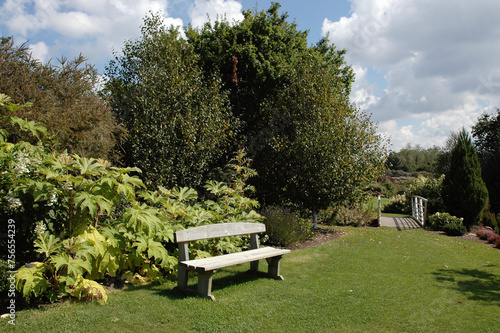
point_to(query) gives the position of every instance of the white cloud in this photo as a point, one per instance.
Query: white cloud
(362, 90)
(439, 60)
(40, 51)
(91, 27)
(204, 10)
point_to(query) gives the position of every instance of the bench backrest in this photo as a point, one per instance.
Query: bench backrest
(218, 230)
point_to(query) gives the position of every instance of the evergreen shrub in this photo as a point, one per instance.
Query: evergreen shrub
(464, 192)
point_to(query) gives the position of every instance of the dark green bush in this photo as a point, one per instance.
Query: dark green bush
(455, 228)
(284, 227)
(397, 204)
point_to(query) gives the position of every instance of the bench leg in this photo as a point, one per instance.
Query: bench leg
(182, 277)
(274, 267)
(205, 284)
(254, 266)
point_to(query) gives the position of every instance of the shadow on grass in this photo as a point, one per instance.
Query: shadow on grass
(225, 279)
(475, 284)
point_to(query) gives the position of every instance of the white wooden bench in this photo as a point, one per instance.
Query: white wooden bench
(206, 267)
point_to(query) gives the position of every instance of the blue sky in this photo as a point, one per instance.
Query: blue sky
(423, 68)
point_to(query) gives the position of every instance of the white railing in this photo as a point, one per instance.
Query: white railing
(419, 209)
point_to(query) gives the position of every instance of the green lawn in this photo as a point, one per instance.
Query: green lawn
(370, 280)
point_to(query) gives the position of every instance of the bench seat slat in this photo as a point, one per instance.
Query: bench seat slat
(208, 264)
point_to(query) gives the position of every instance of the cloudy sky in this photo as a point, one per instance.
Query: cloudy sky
(423, 68)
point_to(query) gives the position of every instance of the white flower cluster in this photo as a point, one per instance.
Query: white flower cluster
(40, 227)
(22, 163)
(52, 198)
(14, 205)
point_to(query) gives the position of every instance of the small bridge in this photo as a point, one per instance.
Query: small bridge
(417, 219)
(399, 222)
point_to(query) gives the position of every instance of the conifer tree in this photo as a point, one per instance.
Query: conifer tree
(464, 191)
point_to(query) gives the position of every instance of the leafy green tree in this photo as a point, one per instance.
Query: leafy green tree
(63, 98)
(464, 192)
(323, 150)
(487, 141)
(180, 126)
(310, 146)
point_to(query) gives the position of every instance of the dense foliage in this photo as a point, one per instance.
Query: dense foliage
(79, 219)
(397, 204)
(310, 145)
(464, 192)
(64, 100)
(451, 225)
(487, 141)
(285, 227)
(180, 126)
(429, 188)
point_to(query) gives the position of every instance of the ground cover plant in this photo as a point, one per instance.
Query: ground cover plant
(369, 280)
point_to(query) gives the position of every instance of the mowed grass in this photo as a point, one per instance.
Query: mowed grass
(370, 280)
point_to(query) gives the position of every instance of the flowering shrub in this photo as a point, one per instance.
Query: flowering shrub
(452, 225)
(485, 234)
(489, 235)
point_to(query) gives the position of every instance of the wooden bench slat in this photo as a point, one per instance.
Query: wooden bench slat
(208, 264)
(218, 230)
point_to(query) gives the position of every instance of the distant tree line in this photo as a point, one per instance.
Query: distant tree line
(414, 158)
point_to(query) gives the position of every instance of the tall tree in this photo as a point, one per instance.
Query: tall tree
(180, 126)
(64, 100)
(309, 144)
(464, 192)
(487, 140)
